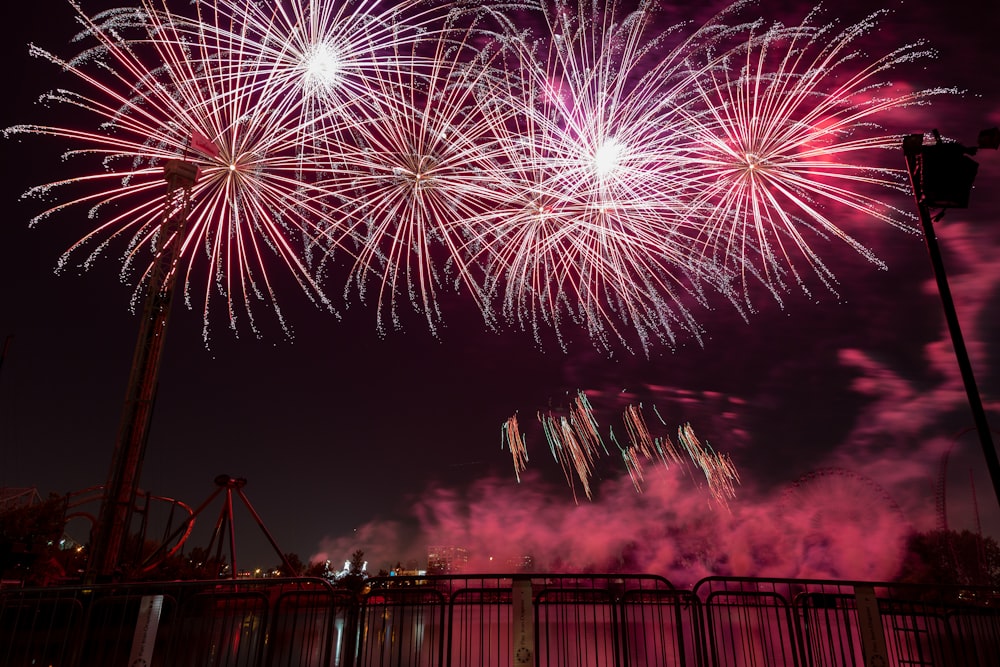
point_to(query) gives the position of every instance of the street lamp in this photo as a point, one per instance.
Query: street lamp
(941, 174)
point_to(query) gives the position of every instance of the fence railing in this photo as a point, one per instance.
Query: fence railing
(500, 621)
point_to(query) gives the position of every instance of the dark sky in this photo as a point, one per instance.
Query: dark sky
(350, 440)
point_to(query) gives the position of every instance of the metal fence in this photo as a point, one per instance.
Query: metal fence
(500, 621)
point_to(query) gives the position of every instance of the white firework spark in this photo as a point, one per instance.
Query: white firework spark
(610, 172)
(319, 62)
(415, 174)
(592, 229)
(154, 86)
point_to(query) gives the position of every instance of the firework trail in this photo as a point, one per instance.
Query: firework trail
(512, 439)
(782, 137)
(576, 444)
(158, 86)
(719, 470)
(574, 441)
(642, 445)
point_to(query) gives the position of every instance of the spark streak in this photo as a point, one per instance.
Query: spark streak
(514, 441)
(576, 445)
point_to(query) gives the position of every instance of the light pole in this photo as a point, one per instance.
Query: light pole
(941, 175)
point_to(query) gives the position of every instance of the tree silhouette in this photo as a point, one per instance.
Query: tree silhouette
(30, 537)
(950, 557)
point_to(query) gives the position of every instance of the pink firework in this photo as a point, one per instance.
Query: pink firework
(783, 139)
(646, 178)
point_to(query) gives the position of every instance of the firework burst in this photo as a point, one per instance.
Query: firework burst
(646, 176)
(607, 173)
(320, 63)
(592, 229)
(154, 93)
(782, 139)
(415, 172)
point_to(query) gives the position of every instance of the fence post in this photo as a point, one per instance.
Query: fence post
(870, 627)
(523, 632)
(146, 625)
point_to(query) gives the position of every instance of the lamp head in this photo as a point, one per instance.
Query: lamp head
(942, 172)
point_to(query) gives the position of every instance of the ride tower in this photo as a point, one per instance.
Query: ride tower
(118, 502)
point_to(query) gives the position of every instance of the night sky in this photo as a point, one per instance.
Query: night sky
(351, 440)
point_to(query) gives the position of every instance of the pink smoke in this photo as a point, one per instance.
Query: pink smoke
(671, 529)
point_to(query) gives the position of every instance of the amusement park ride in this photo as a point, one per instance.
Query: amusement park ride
(126, 464)
(160, 527)
(119, 500)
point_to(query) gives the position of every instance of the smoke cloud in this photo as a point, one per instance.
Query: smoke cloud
(834, 524)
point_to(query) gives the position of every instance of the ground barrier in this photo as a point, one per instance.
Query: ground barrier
(519, 620)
